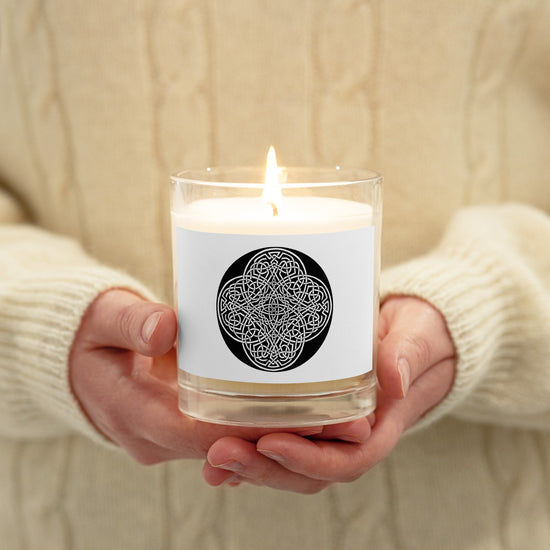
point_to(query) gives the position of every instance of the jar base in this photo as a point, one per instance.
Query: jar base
(278, 410)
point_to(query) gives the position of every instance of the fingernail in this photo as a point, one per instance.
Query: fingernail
(404, 374)
(310, 431)
(231, 465)
(150, 326)
(233, 481)
(350, 438)
(273, 456)
(372, 419)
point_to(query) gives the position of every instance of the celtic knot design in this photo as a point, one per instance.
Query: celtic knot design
(275, 313)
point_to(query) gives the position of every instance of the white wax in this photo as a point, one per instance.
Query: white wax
(296, 215)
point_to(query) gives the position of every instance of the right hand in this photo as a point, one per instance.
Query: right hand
(416, 369)
(123, 372)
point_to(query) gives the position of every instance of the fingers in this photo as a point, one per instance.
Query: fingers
(428, 390)
(121, 319)
(329, 461)
(413, 337)
(232, 460)
(356, 431)
(335, 461)
(287, 462)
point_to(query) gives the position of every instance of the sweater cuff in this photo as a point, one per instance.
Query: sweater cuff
(40, 344)
(472, 294)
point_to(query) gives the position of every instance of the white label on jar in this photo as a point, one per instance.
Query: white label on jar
(275, 309)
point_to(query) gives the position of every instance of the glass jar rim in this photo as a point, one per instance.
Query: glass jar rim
(292, 177)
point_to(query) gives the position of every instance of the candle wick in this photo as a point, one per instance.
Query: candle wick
(275, 210)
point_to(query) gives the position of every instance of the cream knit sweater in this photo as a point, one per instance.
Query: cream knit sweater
(101, 99)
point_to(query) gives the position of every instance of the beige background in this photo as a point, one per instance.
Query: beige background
(442, 97)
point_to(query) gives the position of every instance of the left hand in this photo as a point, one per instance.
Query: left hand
(122, 370)
(416, 367)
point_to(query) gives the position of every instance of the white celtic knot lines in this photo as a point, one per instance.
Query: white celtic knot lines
(274, 308)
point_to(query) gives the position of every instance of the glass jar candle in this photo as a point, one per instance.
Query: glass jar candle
(276, 284)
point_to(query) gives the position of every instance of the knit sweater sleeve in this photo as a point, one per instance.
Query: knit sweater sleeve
(46, 284)
(490, 278)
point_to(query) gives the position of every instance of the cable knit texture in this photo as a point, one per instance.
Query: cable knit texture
(47, 284)
(102, 100)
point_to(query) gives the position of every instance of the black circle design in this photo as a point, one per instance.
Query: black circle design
(274, 308)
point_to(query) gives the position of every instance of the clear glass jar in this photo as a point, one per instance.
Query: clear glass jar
(277, 294)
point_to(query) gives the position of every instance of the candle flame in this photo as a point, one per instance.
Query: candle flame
(272, 191)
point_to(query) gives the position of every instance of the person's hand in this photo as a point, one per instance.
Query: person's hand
(416, 367)
(122, 370)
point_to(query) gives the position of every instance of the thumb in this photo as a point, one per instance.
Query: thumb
(122, 319)
(415, 338)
